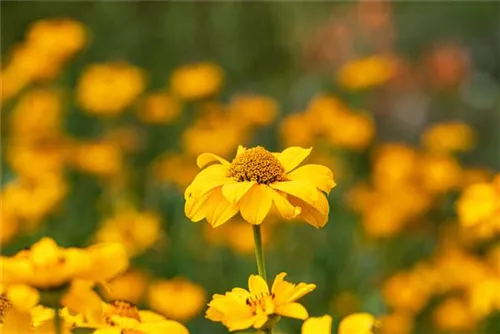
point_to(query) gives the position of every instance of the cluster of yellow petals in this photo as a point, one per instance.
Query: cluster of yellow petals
(255, 182)
(241, 309)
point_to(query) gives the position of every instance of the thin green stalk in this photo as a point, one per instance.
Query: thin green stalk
(57, 321)
(259, 252)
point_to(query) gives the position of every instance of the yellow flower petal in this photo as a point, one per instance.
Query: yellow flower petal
(357, 323)
(320, 176)
(317, 325)
(240, 324)
(241, 150)
(208, 179)
(316, 215)
(233, 192)
(257, 285)
(256, 203)
(300, 189)
(293, 156)
(217, 209)
(292, 310)
(23, 297)
(284, 207)
(165, 326)
(207, 158)
(301, 290)
(277, 281)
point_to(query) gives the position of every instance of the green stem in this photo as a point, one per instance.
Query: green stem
(259, 252)
(57, 321)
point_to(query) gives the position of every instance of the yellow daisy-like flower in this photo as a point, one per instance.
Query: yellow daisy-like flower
(240, 309)
(254, 182)
(46, 265)
(120, 317)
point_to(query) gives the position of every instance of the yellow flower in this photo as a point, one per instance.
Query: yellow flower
(46, 265)
(130, 286)
(255, 181)
(100, 158)
(196, 81)
(367, 72)
(240, 309)
(158, 108)
(177, 299)
(176, 168)
(120, 317)
(296, 129)
(454, 315)
(253, 110)
(136, 231)
(479, 204)
(439, 173)
(358, 323)
(107, 89)
(397, 323)
(352, 130)
(318, 325)
(448, 137)
(406, 291)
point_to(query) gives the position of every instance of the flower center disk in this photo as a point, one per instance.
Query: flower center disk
(257, 164)
(124, 309)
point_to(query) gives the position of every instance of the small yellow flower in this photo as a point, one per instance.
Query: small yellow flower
(136, 231)
(241, 309)
(254, 182)
(158, 108)
(130, 286)
(448, 137)
(479, 204)
(120, 317)
(454, 315)
(397, 323)
(107, 89)
(177, 299)
(253, 110)
(318, 325)
(358, 323)
(100, 158)
(196, 81)
(367, 72)
(46, 265)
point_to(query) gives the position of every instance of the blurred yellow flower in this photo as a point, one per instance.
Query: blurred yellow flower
(129, 286)
(46, 265)
(448, 137)
(358, 323)
(367, 72)
(253, 110)
(158, 108)
(100, 158)
(255, 181)
(405, 291)
(177, 298)
(454, 315)
(107, 89)
(241, 309)
(393, 165)
(196, 81)
(136, 231)
(296, 129)
(124, 317)
(318, 325)
(176, 168)
(480, 204)
(353, 131)
(59, 38)
(397, 323)
(439, 173)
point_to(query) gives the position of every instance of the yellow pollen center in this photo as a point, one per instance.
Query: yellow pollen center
(125, 309)
(5, 305)
(261, 304)
(257, 164)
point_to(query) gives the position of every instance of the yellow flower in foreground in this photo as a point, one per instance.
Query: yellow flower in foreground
(178, 298)
(317, 325)
(120, 317)
(254, 182)
(46, 265)
(358, 323)
(240, 309)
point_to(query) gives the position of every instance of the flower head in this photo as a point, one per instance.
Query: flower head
(240, 309)
(46, 265)
(256, 181)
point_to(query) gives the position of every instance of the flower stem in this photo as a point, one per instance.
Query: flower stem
(57, 321)
(259, 252)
